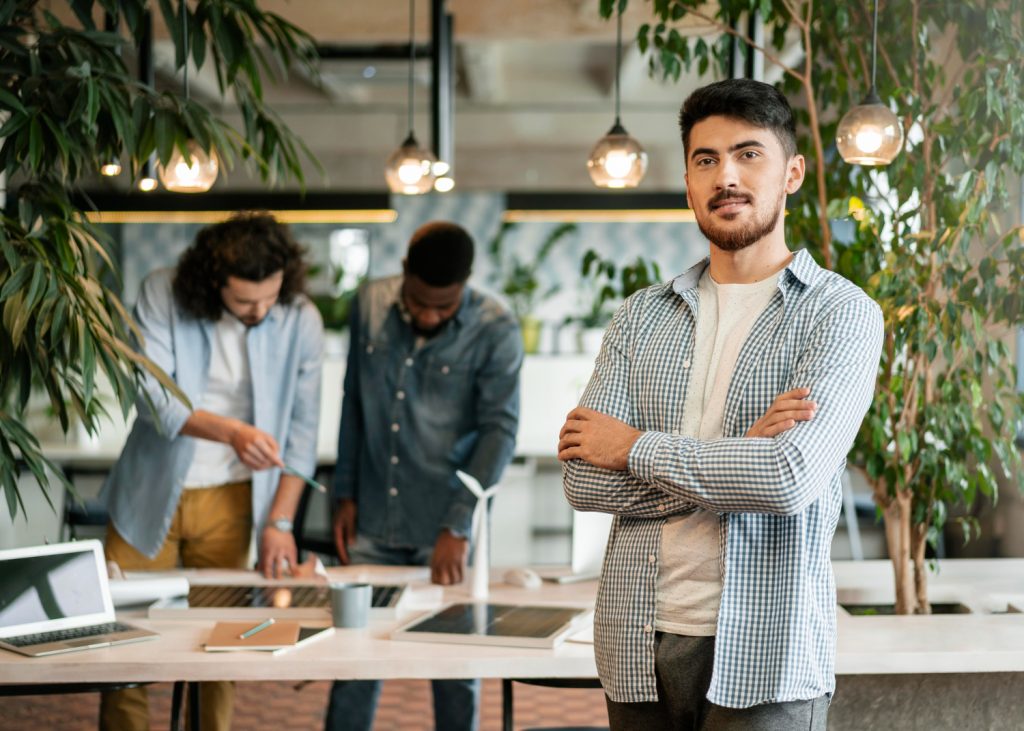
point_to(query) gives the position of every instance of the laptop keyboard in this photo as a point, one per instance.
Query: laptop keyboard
(63, 635)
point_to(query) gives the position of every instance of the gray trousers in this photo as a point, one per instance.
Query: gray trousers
(682, 666)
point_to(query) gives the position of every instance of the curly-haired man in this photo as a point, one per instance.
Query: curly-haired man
(232, 327)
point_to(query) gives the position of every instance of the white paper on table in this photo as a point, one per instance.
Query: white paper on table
(125, 592)
(585, 636)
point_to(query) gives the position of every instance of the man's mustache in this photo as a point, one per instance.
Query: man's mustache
(728, 195)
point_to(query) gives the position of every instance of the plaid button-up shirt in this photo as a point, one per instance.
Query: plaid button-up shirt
(779, 497)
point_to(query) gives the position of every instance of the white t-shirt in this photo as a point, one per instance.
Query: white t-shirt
(690, 572)
(228, 393)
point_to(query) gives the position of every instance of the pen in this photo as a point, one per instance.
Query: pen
(308, 480)
(253, 630)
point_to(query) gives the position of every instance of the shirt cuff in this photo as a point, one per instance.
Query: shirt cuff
(644, 454)
(459, 520)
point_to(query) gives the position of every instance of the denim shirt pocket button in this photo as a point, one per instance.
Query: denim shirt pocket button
(445, 370)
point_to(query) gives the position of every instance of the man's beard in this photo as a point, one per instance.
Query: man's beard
(737, 239)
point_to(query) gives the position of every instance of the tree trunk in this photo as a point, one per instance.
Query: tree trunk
(920, 533)
(898, 539)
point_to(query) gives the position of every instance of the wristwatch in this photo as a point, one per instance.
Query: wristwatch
(282, 524)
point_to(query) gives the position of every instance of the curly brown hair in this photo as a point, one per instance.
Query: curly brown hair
(249, 245)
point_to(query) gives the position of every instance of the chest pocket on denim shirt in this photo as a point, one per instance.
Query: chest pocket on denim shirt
(449, 384)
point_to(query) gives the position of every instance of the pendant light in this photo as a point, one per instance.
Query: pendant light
(870, 133)
(617, 160)
(147, 181)
(111, 168)
(410, 168)
(199, 172)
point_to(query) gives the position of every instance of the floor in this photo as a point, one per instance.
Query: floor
(404, 706)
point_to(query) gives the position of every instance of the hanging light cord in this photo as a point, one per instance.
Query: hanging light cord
(184, 40)
(618, 60)
(412, 56)
(874, 45)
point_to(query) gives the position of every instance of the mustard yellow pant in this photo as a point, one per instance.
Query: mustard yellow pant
(211, 528)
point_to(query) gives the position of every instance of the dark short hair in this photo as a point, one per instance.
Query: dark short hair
(250, 246)
(440, 253)
(755, 102)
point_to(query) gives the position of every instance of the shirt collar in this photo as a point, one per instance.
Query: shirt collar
(459, 316)
(802, 269)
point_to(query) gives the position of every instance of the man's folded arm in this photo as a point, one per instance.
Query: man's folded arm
(594, 489)
(782, 475)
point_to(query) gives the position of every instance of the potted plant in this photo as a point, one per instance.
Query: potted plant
(611, 284)
(69, 105)
(923, 238)
(516, 278)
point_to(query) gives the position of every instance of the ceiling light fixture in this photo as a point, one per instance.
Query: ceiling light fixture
(147, 182)
(870, 133)
(196, 172)
(112, 167)
(617, 160)
(409, 169)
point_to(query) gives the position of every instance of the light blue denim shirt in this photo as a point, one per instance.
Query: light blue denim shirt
(414, 412)
(285, 354)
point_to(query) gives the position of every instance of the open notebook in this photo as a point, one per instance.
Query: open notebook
(278, 638)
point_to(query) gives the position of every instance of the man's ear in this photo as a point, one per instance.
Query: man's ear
(795, 171)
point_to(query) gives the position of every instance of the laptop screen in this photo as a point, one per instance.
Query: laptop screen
(52, 589)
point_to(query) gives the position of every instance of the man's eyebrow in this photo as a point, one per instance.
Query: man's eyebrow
(733, 148)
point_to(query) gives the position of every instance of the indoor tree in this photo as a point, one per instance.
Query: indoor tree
(925, 236)
(69, 103)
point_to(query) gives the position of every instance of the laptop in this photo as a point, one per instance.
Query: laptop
(56, 599)
(589, 537)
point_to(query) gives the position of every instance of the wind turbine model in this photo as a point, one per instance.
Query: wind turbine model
(481, 559)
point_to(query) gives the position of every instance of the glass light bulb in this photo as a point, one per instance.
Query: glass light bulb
(868, 140)
(869, 134)
(444, 184)
(111, 168)
(147, 185)
(196, 175)
(617, 160)
(409, 169)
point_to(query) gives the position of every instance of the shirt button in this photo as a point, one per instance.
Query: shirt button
(400, 395)
(648, 628)
(686, 363)
(394, 459)
(408, 361)
(651, 558)
(393, 492)
(395, 427)
(660, 507)
(369, 349)
(445, 369)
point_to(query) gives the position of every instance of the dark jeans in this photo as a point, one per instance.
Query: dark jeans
(682, 666)
(353, 703)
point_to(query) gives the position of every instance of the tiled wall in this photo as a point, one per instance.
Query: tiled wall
(675, 246)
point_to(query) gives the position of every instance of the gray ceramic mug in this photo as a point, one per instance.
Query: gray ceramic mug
(350, 604)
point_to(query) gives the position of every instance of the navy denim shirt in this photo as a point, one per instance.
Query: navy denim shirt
(414, 412)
